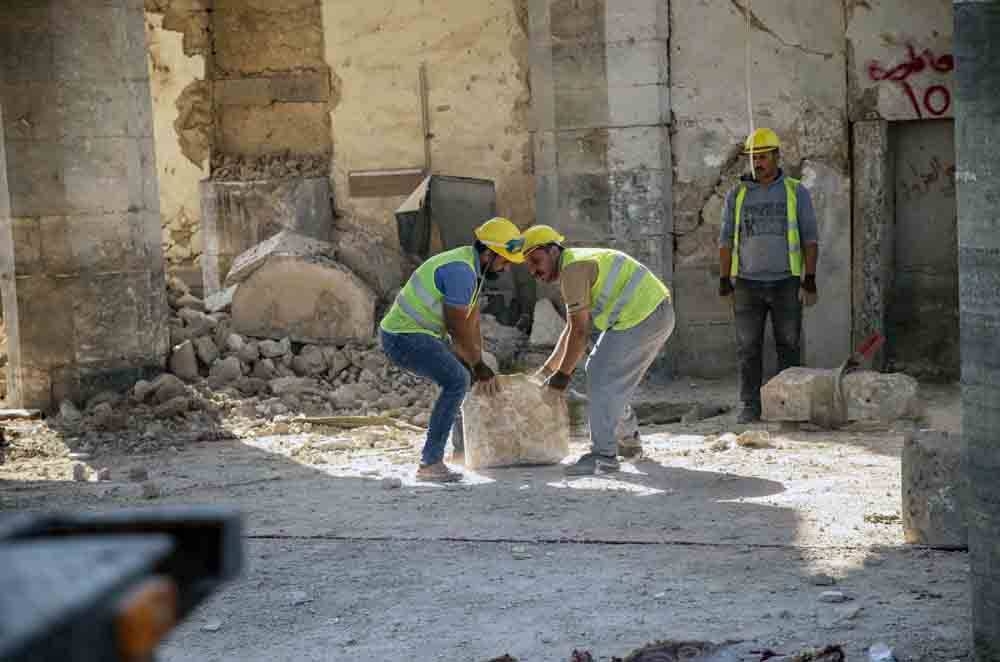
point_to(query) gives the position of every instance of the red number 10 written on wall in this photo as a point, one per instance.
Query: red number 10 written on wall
(936, 98)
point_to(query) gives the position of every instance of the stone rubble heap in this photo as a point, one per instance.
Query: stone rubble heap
(277, 377)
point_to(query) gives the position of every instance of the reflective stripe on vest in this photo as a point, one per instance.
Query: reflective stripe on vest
(625, 290)
(794, 242)
(419, 307)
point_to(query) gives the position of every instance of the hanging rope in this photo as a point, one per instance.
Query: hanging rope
(746, 11)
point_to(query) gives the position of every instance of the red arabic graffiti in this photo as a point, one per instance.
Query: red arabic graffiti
(936, 99)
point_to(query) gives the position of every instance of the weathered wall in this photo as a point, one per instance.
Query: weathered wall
(900, 62)
(181, 121)
(799, 89)
(478, 97)
(922, 320)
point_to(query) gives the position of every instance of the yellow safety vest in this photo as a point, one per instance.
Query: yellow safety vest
(794, 244)
(625, 293)
(419, 307)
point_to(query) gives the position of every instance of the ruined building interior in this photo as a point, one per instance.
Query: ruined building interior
(206, 206)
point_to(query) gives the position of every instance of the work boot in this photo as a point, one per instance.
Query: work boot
(749, 414)
(437, 473)
(630, 447)
(593, 464)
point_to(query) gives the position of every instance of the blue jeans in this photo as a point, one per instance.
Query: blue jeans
(427, 356)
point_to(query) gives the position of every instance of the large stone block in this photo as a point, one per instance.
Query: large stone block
(932, 481)
(308, 299)
(516, 427)
(283, 243)
(807, 394)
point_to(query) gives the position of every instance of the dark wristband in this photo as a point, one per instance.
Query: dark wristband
(809, 283)
(558, 381)
(725, 286)
(482, 372)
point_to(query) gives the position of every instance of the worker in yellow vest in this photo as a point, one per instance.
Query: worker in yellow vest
(768, 248)
(629, 305)
(440, 300)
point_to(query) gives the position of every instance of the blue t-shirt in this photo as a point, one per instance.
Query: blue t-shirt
(457, 281)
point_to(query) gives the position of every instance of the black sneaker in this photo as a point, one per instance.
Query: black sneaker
(593, 464)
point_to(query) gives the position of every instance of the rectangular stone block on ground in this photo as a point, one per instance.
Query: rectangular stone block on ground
(932, 485)
(515, 427)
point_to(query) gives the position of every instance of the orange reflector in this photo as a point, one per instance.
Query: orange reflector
(146, 614)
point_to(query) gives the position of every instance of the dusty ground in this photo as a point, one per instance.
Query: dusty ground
(699, 539)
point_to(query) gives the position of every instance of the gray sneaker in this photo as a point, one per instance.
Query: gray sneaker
(593, 464)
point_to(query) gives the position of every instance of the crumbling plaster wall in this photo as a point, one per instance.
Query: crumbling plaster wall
(798, 86)
(478, 98)
(181, 122)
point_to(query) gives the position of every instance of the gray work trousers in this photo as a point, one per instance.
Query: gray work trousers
(615, 367)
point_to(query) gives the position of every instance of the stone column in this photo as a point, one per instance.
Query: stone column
(84, 209)
(977, 176)
(601, 109)
(873, 232)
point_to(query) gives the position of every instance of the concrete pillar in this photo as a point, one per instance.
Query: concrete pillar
(977, 176)
(873, 232)
(84, 209)
(600, 124)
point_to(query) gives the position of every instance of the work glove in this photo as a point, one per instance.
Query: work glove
(725, 287)
(485, 379)
(807, 290)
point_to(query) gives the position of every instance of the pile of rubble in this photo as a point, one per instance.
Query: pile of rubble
(278, 377)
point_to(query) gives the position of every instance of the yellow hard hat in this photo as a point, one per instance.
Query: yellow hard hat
(503, 238)
(760, 141)
(540, 235)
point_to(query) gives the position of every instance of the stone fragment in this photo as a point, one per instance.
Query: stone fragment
(138, 474)
(391, 483)
(234, 343)
(206, 350)
(516, 426)
(822, 579)
(167, 386)
(250, 352)
(297, 386)
(212, 626)
(546, 324)
(188, 300)
(79, 472)
(300, 598)
(111, 397)
(264, 369)
(833, 597)
(77, 455)
(275, 348)
(338, 363)
(422, 419)
(150, 490)
(142, 390)
(221, 300)
(283, 244)
(173, 407)
(251, 385)
(226, 371)
(104, 474)
(310, 362)
(877, 396)
(196, 322)
(799, 394)
(754, 439)
(311, 300)
(932, 480)
(184, 362)
(68, 412)
(105, 417)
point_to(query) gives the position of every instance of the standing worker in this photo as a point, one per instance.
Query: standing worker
(632, 309)
(768, 224)
(439, 300)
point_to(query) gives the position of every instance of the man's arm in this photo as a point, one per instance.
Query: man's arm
(577, 332)
(726, 246)
(464, 330)
(556, 357)
(808, 230)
